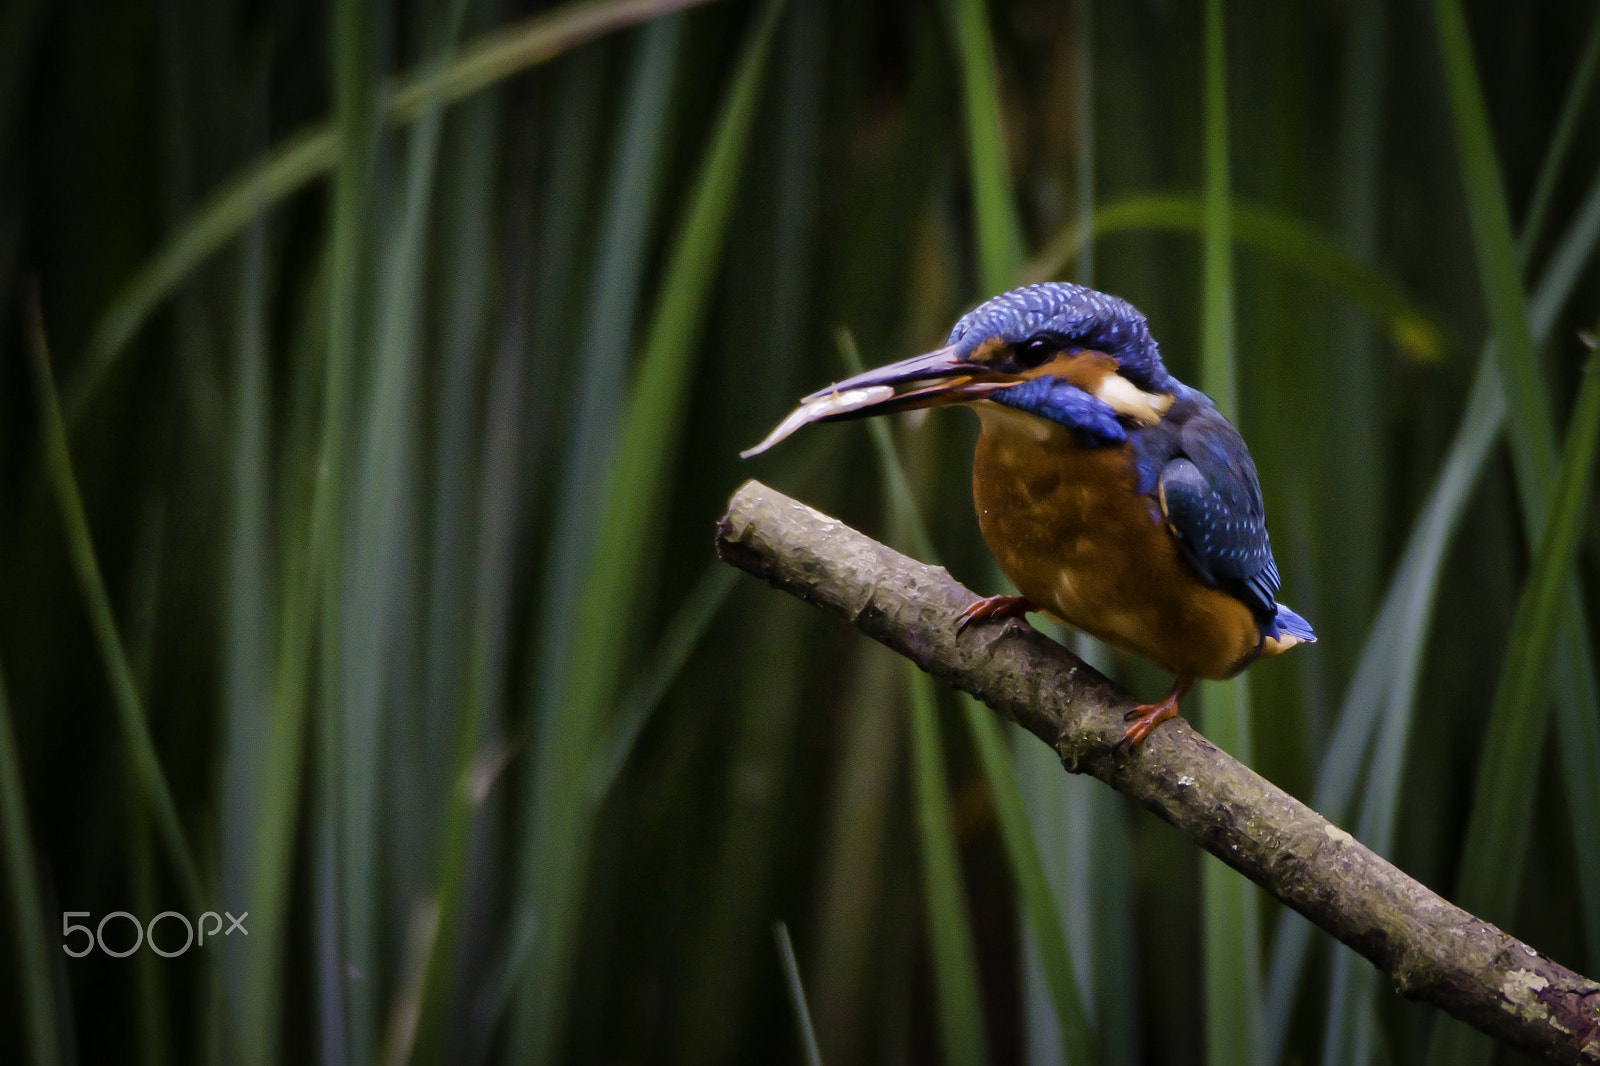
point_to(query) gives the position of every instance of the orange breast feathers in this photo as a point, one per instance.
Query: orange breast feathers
(1069, 528)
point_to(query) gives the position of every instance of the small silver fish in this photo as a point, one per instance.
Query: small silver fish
(823, 405)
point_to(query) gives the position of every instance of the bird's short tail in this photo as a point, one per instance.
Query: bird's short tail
(1284, 632)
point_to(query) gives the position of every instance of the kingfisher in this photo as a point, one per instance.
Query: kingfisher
(1117, 499)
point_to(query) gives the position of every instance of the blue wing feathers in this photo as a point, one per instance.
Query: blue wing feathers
(1212, 500)
(1291, 624)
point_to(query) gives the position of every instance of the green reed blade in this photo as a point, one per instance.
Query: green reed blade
(29, 931)
(999, 234)
(949, 929)
(858, 873)
(375, 644)
(1230, 921)
(1532, 438)
(682, 635)
(1033, 886)
(246, 689)
(1572, 108)
(346, 718)
(810, 1051)
(144, 762)
(467, 585)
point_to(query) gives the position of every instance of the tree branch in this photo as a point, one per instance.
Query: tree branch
(1433, 950)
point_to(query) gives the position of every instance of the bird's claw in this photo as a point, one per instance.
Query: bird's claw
(995, 608)
(1145, 717)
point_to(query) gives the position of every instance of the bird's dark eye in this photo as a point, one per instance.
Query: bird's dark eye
(1037, 351)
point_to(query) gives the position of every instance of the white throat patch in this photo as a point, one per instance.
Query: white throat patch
(1130, 401)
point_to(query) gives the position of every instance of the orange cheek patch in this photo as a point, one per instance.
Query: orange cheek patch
(985, 352)
(1083, 369)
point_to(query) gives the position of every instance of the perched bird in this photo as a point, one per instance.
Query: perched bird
(1116, 498)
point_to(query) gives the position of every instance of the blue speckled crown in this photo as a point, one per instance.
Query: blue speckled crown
(1085, 317)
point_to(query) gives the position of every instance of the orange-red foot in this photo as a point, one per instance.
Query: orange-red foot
(997, 608)
(1141, 720)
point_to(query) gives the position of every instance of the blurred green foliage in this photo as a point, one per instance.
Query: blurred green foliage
(362, 582)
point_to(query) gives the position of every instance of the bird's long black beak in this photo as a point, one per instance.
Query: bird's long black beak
(943, 363)
(940, 377)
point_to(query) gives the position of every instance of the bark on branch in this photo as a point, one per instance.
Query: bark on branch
(1433, 950)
